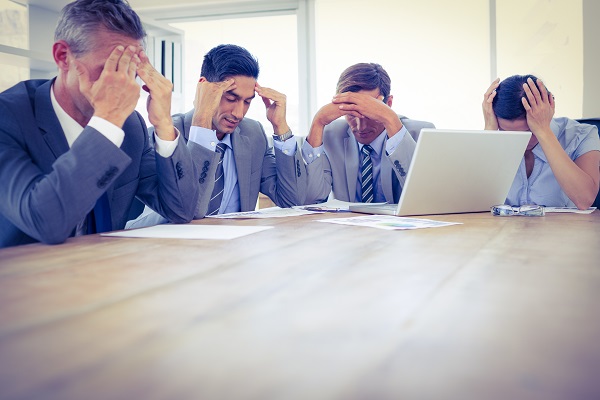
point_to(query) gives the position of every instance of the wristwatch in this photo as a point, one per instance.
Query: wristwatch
(284, 137)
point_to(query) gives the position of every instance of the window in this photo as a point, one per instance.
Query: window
(271, 39)
(14, 43)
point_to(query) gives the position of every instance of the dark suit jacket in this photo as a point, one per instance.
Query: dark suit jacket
(46, 189)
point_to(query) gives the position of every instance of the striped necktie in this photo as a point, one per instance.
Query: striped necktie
(217, 194)
(366, 175)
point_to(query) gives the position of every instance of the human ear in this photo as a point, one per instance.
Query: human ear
(61, 54)
(390, 98)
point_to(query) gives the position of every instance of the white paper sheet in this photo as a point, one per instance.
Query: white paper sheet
(568, 210)
(271, 212)
(389, 222)
(331, 205)
(175, 231)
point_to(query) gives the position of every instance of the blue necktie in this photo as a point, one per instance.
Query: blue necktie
(217, 194)
(98, 220)
(366, 175)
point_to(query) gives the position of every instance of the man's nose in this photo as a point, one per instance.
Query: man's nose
(358, 123)
(238, 110)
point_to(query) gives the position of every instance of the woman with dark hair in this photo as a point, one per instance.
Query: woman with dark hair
(560, 167)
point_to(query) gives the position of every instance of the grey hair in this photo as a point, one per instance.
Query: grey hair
(80, 20)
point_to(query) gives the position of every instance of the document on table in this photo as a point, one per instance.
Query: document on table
(271, 212)
(568, 210)
(389, 222)
(175, 231)
(332, 205)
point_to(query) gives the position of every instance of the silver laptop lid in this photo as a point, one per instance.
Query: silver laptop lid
(456, 171)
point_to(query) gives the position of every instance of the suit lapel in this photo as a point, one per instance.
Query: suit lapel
(243, 166)
(48, 122)
(351, 164)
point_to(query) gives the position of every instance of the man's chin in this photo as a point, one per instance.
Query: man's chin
(364, 138)
(228, 127)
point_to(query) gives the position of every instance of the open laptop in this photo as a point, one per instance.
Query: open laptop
(457, 171)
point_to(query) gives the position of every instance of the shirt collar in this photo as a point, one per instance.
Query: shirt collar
(376, 144)
(227, 140)
(70, 127)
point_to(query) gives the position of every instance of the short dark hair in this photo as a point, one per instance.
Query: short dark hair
(228, 60)
(81, 19)
(365, 76)
(507, 104)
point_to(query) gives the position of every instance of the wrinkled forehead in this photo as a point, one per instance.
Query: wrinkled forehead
(104, 42)
(245, 86)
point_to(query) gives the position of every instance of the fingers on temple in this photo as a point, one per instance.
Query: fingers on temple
(114, 58)
(126, 60)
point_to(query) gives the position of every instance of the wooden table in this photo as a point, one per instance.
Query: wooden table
(495, 308)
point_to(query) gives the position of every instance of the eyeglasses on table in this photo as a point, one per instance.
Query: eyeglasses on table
(526, 210)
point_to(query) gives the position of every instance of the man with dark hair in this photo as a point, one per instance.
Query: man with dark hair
(73, 153)
(366, 155)
(231, 151)
(560, 167)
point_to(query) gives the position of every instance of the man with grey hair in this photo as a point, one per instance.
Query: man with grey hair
(73, 153)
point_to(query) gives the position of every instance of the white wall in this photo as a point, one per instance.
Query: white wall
(436, 52)
(544, 38)
(591, 59)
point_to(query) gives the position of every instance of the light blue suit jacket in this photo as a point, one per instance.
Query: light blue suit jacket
(338, 170)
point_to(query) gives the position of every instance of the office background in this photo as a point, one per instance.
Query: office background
(441, 57)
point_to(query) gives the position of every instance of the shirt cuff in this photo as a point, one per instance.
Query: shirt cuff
(203, 136)
(166, 148)
(394, 141)
(108, 129)
(310, 153)
(287, 147)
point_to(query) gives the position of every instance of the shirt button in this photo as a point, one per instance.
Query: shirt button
(319, 155)
(310, 156)
(286, 152)
(212, 144)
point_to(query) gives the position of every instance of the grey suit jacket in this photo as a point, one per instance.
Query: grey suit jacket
(339, 167)
(259, 168)
(46, 189)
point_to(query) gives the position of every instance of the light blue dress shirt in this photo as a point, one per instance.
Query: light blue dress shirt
(541, 187)
(231, 192)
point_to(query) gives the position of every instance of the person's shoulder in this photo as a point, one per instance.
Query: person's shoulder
(571, 128)
(136, 131)
(572, 133)
(415, 122)
(183, 118)
(22, 91)
(253, 130)
(249, 125)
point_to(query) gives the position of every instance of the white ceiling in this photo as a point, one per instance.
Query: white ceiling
(166, 11)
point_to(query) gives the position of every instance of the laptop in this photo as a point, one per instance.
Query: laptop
(456, 171)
